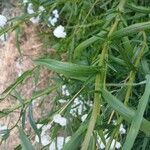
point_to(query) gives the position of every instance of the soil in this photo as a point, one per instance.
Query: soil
(12, 65)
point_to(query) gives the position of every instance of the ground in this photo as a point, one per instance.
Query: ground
(12, 65)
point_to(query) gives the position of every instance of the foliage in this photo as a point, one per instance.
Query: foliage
(105, 76)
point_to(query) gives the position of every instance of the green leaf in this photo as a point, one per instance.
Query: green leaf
(23, 119)
(25, 143)
(127, 43)
(130, 30)
(45, 91)
(145, 143)
(125, 55)
(17, 35)
(3, 113)
(76, 139)
(138, 117)
(4, 134)
(78, 50)
(36, 75)
(33, 124)
(18, 147)
(92, 144)
(71, 70)
(145, 66)
(126, 112)
(19, 80)
(140, 9)
(18, 96)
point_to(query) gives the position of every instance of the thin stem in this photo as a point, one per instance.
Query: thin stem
(29, 100)
(95, 112)
(133, 73)
(121, 5)
(125, 84)
(132, 77)
(99, 85)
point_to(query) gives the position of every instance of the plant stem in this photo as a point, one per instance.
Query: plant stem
(121, 5)
(133, 73)
(99, 85)
(28, 101)
(132, 76)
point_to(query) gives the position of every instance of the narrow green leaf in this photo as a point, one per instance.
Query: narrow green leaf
(18, 96)
(125, 55)
(126, 42)
(145, 143)
(138, 117)
(117, 60)
(33, 124)
(127, 46)
(4, 134)
(71, 70)
(19, 80)
(36, 75)
(78, 50)
(92, 144)
(18, 147)
(23, 119)
(76, 139)
(46, 91)
(130, 30)
(140, 9)
(3, 113)
(17, 39)
(25, 143)
(126, 112)
(145, 66)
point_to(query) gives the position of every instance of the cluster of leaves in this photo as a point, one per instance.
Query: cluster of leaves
(107, 48)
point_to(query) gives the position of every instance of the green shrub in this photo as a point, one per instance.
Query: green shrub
(102, 99)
